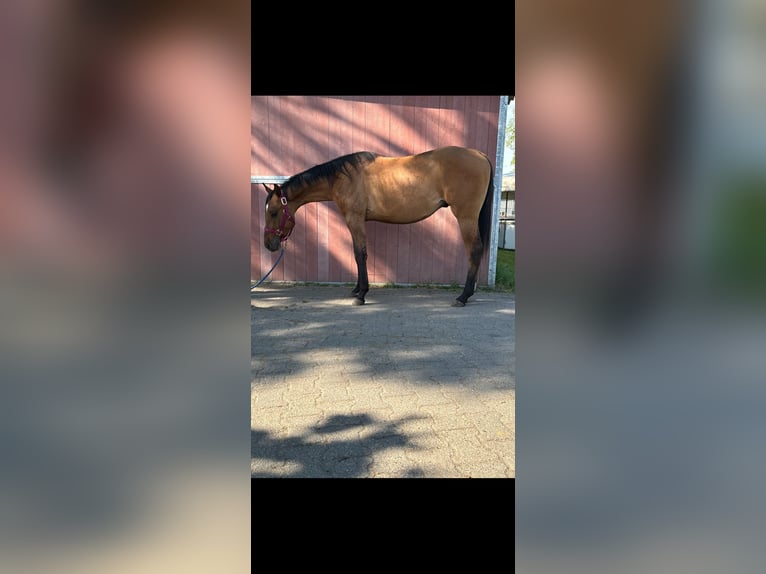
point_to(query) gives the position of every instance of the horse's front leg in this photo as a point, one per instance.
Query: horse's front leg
(362, 283)
(359, 238)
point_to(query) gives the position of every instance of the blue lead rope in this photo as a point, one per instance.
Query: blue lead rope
(262, 279)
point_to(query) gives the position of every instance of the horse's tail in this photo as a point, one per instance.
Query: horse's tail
(485, 215)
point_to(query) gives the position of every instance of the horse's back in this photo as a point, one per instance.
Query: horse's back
(410, 188)
(434, 164)
(456, 153)
(460, 164)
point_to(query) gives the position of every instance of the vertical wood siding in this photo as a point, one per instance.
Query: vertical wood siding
(293, 133)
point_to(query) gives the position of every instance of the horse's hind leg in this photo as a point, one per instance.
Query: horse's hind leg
(474, 250)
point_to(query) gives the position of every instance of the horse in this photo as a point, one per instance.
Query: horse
(371, 187)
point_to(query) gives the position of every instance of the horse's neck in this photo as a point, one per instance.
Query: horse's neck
(317, 192)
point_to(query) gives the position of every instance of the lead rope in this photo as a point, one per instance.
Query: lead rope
(262, 279)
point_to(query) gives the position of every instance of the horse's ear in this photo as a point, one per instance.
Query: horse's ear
(267, 187)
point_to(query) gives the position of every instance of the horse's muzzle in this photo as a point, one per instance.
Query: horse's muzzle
(271, 243)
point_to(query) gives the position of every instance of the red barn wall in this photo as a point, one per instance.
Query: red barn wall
(292, 133)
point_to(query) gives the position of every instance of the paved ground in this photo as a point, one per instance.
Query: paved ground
(405, 386)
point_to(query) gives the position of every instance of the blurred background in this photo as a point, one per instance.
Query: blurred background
(641, 275)
(640, 279)
(124, 261)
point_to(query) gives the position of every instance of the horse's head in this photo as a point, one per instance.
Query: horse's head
(279, 218)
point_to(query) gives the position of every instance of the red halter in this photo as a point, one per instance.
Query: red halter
(286, 216)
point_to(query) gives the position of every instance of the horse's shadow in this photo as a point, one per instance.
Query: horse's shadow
(317, 454)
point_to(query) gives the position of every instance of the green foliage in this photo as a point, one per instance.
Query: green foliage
(510, 132)
(505, 274)
(739, 242)
(510, 135)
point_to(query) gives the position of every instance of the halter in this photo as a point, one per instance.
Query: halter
(286, 216)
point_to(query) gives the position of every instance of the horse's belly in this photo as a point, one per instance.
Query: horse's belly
(404, 211)
(403, 194)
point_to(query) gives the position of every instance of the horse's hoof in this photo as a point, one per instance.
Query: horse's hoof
(458, 303)
(357, 301)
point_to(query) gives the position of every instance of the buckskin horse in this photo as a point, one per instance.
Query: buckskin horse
(369, 187)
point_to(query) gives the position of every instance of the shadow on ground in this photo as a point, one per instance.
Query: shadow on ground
(326, 451)
(408, 333)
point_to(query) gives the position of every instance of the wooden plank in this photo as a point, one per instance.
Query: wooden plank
(392, 253)
(265, 258)
(443, 248)
(420, 144)
(281, 128)
(304, 249)
(290, 118)
(471, 120)
(335, 221)
(269, 155)
(457, 250)
(381, 132)
(297, 246)
(444, 136)
(434, 240)
(377, 125)
(429, 242)
(381, 251)
(398, 128)
(311, 219)
(406, 135)
(255, 253)
(376, 136)
(314, 128)
(455, 129)
(358, 142)
(341, 244)
(432, 123)
(341, 119)
(287, 167)
(263, 252)
(346, 249)
(440, 243)
(277, 128)
(419, 125)
(407, 116)
(259, 134)
(300, 123)
(323, 242)
(453, 133)
(457, 120)
(344, 111)
(258, 157)
(322, 137)
(403, 254)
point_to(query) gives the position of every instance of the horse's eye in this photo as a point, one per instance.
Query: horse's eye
(273, 213)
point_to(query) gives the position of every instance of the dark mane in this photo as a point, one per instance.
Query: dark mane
(328, 171)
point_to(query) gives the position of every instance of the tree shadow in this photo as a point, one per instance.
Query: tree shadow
(319, 452)
(401, 334)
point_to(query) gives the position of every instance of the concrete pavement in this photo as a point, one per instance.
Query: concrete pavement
(404, 386)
